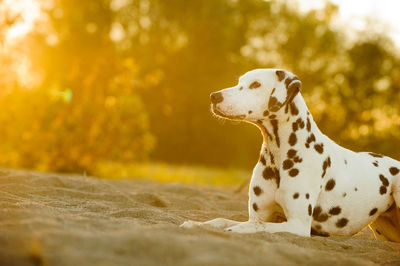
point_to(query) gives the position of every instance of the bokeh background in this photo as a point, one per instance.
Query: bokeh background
(120, 88)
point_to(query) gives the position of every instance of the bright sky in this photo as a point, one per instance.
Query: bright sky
(29, 12)
(353, 12)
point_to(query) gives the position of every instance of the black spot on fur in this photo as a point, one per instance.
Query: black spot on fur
(344, 194)
(300, 122)
(295, 126)
(295, 195)
(345, 161)
(308, 124)
(264, 130)
(266, 113)
(375, 155)
(294, 172)
(255, 207)
(291, 153)
(394, 170)
(325, 165)
(268, 173)
(272, 173)
(273, 104)
(355, 189)
(287, 164)
(382, 190)
(255, 85)
(250, 111)
(257, 190)
(297, 159)
(342, 222)
(335, 210)
(271, 156)
(269, 135)
(375, 163)
(319, 148)
(274, 124)
(310, 139)
(330, 185)
(373, 211)
(292, 139)
(293, 109)
(379, 233)
(287, 106)
(384, 180)
(262, 159)
(307, 196)
(280, 74)
(309, 209)
(318, 215)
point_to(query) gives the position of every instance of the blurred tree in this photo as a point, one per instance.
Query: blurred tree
(201, 46)
(101, 65)
(85, 108)
(194, 47)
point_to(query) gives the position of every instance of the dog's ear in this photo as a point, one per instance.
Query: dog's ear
(293, 86)
(281, 74)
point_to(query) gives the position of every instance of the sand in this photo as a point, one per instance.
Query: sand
(51, 219)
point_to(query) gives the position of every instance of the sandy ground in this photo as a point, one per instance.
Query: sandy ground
(50, 219)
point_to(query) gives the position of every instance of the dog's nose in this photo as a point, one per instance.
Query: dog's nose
(216, 97)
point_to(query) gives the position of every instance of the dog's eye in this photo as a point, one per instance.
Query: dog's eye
(254, 85)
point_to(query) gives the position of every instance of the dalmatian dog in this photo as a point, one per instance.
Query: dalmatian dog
(304, 183)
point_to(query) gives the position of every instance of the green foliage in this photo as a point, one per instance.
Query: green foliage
(43, 131)
(85, 107)
(202, 46)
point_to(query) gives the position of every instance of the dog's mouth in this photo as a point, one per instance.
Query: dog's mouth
(217, 112)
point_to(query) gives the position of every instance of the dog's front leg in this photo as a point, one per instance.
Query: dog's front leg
(262, 205)
(297, 203)
(220, 223)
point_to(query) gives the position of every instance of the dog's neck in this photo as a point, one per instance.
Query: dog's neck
(277, 128)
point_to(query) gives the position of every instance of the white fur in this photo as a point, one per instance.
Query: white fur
(346, 206)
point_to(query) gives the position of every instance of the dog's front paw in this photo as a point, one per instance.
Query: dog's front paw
(245, 227)
(190, 224)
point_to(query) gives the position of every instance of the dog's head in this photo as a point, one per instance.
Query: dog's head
(259, 94)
